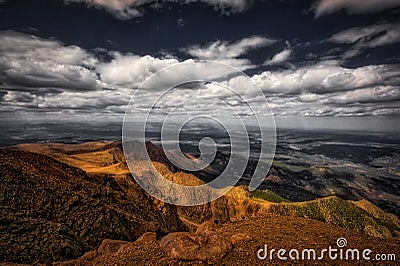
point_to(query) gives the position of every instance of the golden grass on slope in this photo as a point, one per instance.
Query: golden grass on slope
(376, 212)
(61, 148)
(110, 161)
(180, 178)
(93, 157)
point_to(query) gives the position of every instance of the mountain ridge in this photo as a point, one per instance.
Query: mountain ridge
(95, 164)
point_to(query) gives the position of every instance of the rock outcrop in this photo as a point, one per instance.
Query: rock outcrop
(203, 245)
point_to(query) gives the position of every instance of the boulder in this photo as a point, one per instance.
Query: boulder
(204, 245)
(146, 238)
(110, 246)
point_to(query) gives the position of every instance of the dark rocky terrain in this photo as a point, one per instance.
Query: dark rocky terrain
(51, 211)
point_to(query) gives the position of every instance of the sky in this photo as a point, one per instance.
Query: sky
(320, 60)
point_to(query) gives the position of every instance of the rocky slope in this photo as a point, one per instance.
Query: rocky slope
(51, 211)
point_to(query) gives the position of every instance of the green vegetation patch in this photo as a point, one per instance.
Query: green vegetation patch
(341, 213)
(267, 195)
(289, 168)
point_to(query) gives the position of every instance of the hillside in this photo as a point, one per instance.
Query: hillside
(51, 211)
(239, 203)
(93, 157)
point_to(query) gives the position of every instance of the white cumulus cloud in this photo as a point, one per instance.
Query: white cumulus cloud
(280, 57)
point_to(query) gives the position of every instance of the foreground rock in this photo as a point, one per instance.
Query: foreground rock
(237, 243)
(203, 245)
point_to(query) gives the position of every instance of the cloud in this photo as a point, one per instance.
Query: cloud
(364, 91)
(100, 101)
(128, 9)
(21, 46)
(28, 61)
(362, 38)
(323, 89)
(370, 36)
(227, 6)
(36, 74)
(320, 78)
(19, 97)
(222, 50)
(369, 95)
(44, 74)
(324, 7)
(41, 75)
(181, 22)
(280, 57)
(121, 9)
(229, 52)
(130, 70)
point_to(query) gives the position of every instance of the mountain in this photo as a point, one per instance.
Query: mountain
(100, 157)
(62, 200)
